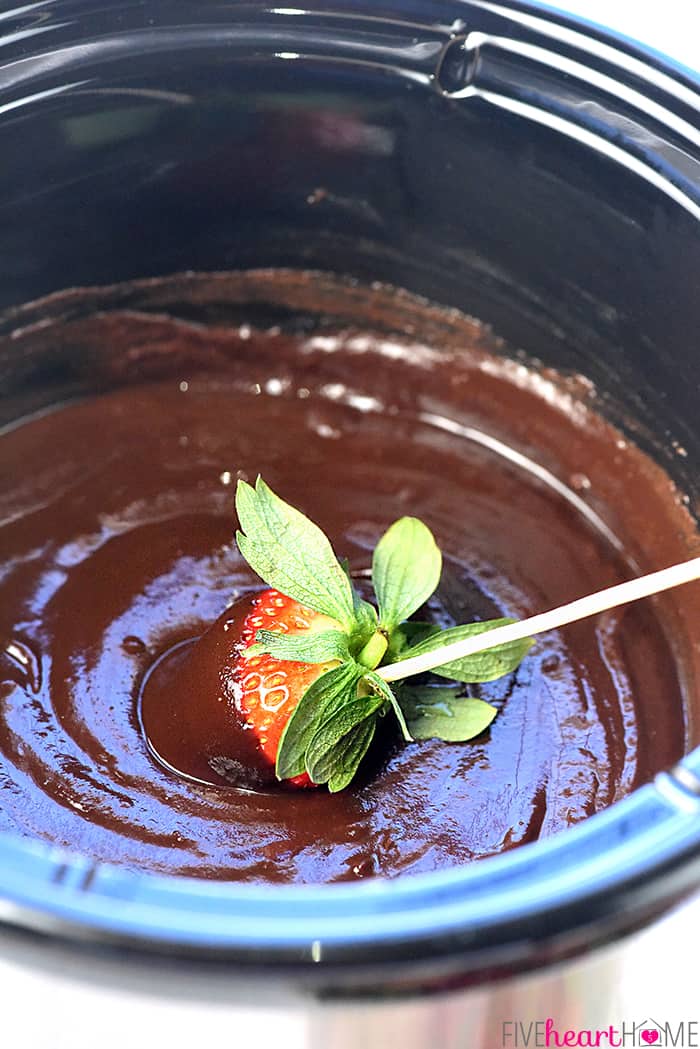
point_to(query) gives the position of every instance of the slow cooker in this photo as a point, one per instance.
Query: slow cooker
(496, 157)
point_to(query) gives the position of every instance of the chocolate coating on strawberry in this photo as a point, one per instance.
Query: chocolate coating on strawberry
(213, 712)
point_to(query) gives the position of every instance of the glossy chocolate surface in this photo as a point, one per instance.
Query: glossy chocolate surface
(116, 547)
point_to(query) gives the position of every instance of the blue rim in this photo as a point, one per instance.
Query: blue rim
(639, 855)
(600, 877)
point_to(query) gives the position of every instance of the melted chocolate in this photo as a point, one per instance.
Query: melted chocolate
(189, 712)
(116, 547)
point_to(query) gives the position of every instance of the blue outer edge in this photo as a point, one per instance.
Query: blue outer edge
(594, 865)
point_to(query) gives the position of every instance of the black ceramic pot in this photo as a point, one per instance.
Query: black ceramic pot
(529, 171)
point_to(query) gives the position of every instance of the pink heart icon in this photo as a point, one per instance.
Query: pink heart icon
(650, 1036)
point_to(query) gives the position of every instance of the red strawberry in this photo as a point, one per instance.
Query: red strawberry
(267, 689)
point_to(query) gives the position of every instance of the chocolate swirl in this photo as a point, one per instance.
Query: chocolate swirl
(116, 546)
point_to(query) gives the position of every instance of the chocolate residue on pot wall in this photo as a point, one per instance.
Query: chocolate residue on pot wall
(116, 546)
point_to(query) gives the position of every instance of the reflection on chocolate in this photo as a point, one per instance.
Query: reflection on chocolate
(116, 547)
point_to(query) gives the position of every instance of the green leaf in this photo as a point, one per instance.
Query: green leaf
(406, 569)
(484, 666)
(291, 553)
(365, 622)
(381, 688)
(366, 619)
(322, 646)
(327, 694)
(415, 631)
(344, 761)
(441, 713)
(327, 751)
(406, 635)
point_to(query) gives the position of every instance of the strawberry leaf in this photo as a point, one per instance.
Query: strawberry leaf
(406, 569)
(381, 688)
(320, 647)
(327, 694)
(483, 666)
(341, 764)
(291, 553)
(328, 750)
(366, 619)
(441, 712)
(365, 622)
(407, 636)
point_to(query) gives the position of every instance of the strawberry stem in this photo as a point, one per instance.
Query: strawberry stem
(373, 652)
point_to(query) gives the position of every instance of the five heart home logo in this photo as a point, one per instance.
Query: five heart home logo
(650, 1033)
(547, 1034)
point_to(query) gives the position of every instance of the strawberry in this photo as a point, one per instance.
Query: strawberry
(277, 689)
(267, 689)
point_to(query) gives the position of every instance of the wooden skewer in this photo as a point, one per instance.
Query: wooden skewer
(602, 601)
